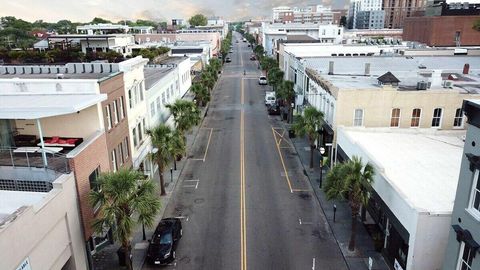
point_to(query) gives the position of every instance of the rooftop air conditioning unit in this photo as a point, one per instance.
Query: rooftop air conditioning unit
(447, 84)
(422, 85)
(60, 76)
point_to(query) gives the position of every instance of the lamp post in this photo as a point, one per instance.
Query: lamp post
(171, 175)
(322, 151)
(144, 237)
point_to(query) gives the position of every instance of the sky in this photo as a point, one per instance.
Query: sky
(159, 10)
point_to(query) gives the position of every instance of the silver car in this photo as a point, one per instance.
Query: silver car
(262, 80)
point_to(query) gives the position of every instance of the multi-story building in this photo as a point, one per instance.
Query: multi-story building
(366, 14)
(444, 25)
(310, 14)
(121, 43)
(464, 236)
(411, 199)
(397, 10)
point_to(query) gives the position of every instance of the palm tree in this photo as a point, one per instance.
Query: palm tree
(177, 147)
(308, 124)
(351, 181)
(185, 113)
(125, 199)
(286, 93)
(275, 77)
(161, 137)
(207, 80)
(202, 95)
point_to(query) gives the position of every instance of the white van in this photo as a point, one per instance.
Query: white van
(270, 98)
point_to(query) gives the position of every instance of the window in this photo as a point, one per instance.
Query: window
(168, 94)
(122, 109)
(158, 103)
(109, 118)
(114, 160)
(474, 203)
(140, 133)
(458, 120)
(163, 98)
(115, 112)
(141, 87)
(358, 118)
(134, 133)
(92, 178)
(120, 151)
(416, 114)
(465, 257)
(126, 150)
(437, 117)
(152, 109)
(395, 119)
(130, 98)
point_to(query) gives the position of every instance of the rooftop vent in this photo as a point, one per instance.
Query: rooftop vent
(422, 85)
(60, 76)
(421, 66)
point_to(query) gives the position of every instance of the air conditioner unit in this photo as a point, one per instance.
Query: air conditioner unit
(447, 84)
(422, 85)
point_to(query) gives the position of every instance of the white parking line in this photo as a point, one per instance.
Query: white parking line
(192, 186)
(304, 222)
(313, 264)
(183, 217)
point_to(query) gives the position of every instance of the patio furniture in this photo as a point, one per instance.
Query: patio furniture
(61, 142)
(24, 140)
(50, 150)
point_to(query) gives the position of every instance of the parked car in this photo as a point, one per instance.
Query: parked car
(252, 57)
(273, 109)
(162, 246)
(248, 45)
(231, 51)
(228, 60)
(236, 41)
(270, 99)
(262, 80)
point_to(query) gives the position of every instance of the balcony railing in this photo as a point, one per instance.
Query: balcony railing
(22, 157)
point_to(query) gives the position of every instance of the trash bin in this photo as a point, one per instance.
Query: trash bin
(291, 133)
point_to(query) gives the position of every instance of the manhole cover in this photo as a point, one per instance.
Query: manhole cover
(199, 200)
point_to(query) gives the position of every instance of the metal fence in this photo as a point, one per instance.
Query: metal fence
(18, 157)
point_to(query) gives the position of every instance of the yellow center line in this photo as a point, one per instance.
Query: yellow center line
(243, 215)
(208, 144)
(281, 159)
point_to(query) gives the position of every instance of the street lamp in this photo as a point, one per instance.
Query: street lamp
(322, 151)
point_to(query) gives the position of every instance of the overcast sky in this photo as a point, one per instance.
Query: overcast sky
(115, 10)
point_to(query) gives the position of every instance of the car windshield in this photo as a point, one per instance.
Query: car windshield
(263, 78)
(166, 238)
(271, 98)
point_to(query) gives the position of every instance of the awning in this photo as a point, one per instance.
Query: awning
(38, 106)
(326, 128)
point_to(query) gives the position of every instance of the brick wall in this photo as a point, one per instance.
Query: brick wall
(83, 164)
(440, 30)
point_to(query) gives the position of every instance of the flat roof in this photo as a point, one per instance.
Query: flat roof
(421, 164)
(154, 74)
(86, 75)
(173, 60)
(11, 201)
(349, 71)
(36, 106)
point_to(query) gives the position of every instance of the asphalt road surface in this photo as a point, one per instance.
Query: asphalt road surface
(243, 198)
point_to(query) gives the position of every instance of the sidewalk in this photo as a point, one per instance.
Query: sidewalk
(107, 258)
(364, 248)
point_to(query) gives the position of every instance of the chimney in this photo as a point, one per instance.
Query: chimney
(466, 68)
(330, 68)
(367, 69)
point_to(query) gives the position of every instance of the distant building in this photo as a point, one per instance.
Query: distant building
(444, 25)
(310, 14)
(397, 10)
(215, 20)
(121, 43)
(366, 14)
(464, 237)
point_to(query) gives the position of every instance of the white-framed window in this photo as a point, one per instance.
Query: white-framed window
(158, 104)
(141, 86)
(358, 118)
(395, 118)
(120, 151)
(458, 120)
(140, 132)
(163, 98)
(152, 109)
(130, 98)
(108, 116)
(474, 202)
(134, 134)
(465, 257)
(437, 117)
(115, 112)
(416, 115)
(122, 109)
(126, 150)
(114, 160)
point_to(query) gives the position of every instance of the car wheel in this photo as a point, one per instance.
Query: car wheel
(181, 232)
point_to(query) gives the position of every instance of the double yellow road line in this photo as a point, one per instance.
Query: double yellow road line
(243, 214)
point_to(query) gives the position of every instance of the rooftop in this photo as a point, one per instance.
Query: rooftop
(173, 60)
(422, 165)
(349, 72)
(11, 201)
(154, 74)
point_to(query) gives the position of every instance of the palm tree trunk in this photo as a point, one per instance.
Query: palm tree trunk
(128, 251)
(351, 244)
(312, 147)
(162, 182)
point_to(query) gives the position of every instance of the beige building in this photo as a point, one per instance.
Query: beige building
(41, 230)
(394, 92)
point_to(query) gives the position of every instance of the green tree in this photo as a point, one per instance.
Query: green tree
(275, 77)
(125, 199)
(287, 93)
(177, 147)
(162, 137)
(198, 20)
(351, 181)
(185, 114)
(268, 63)
(259, 51)
(308, 124)
(98, 20)
(207, 80)
(202, 95)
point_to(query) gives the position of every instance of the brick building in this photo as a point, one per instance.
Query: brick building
(442, 30)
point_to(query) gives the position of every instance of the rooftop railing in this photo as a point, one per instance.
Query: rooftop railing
(31, 157)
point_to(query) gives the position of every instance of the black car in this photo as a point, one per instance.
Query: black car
(163, 244)
(274, 110)
(228, 60)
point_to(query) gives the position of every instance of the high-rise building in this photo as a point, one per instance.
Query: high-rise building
(309, 14)
(397, 10)
(366, 14)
